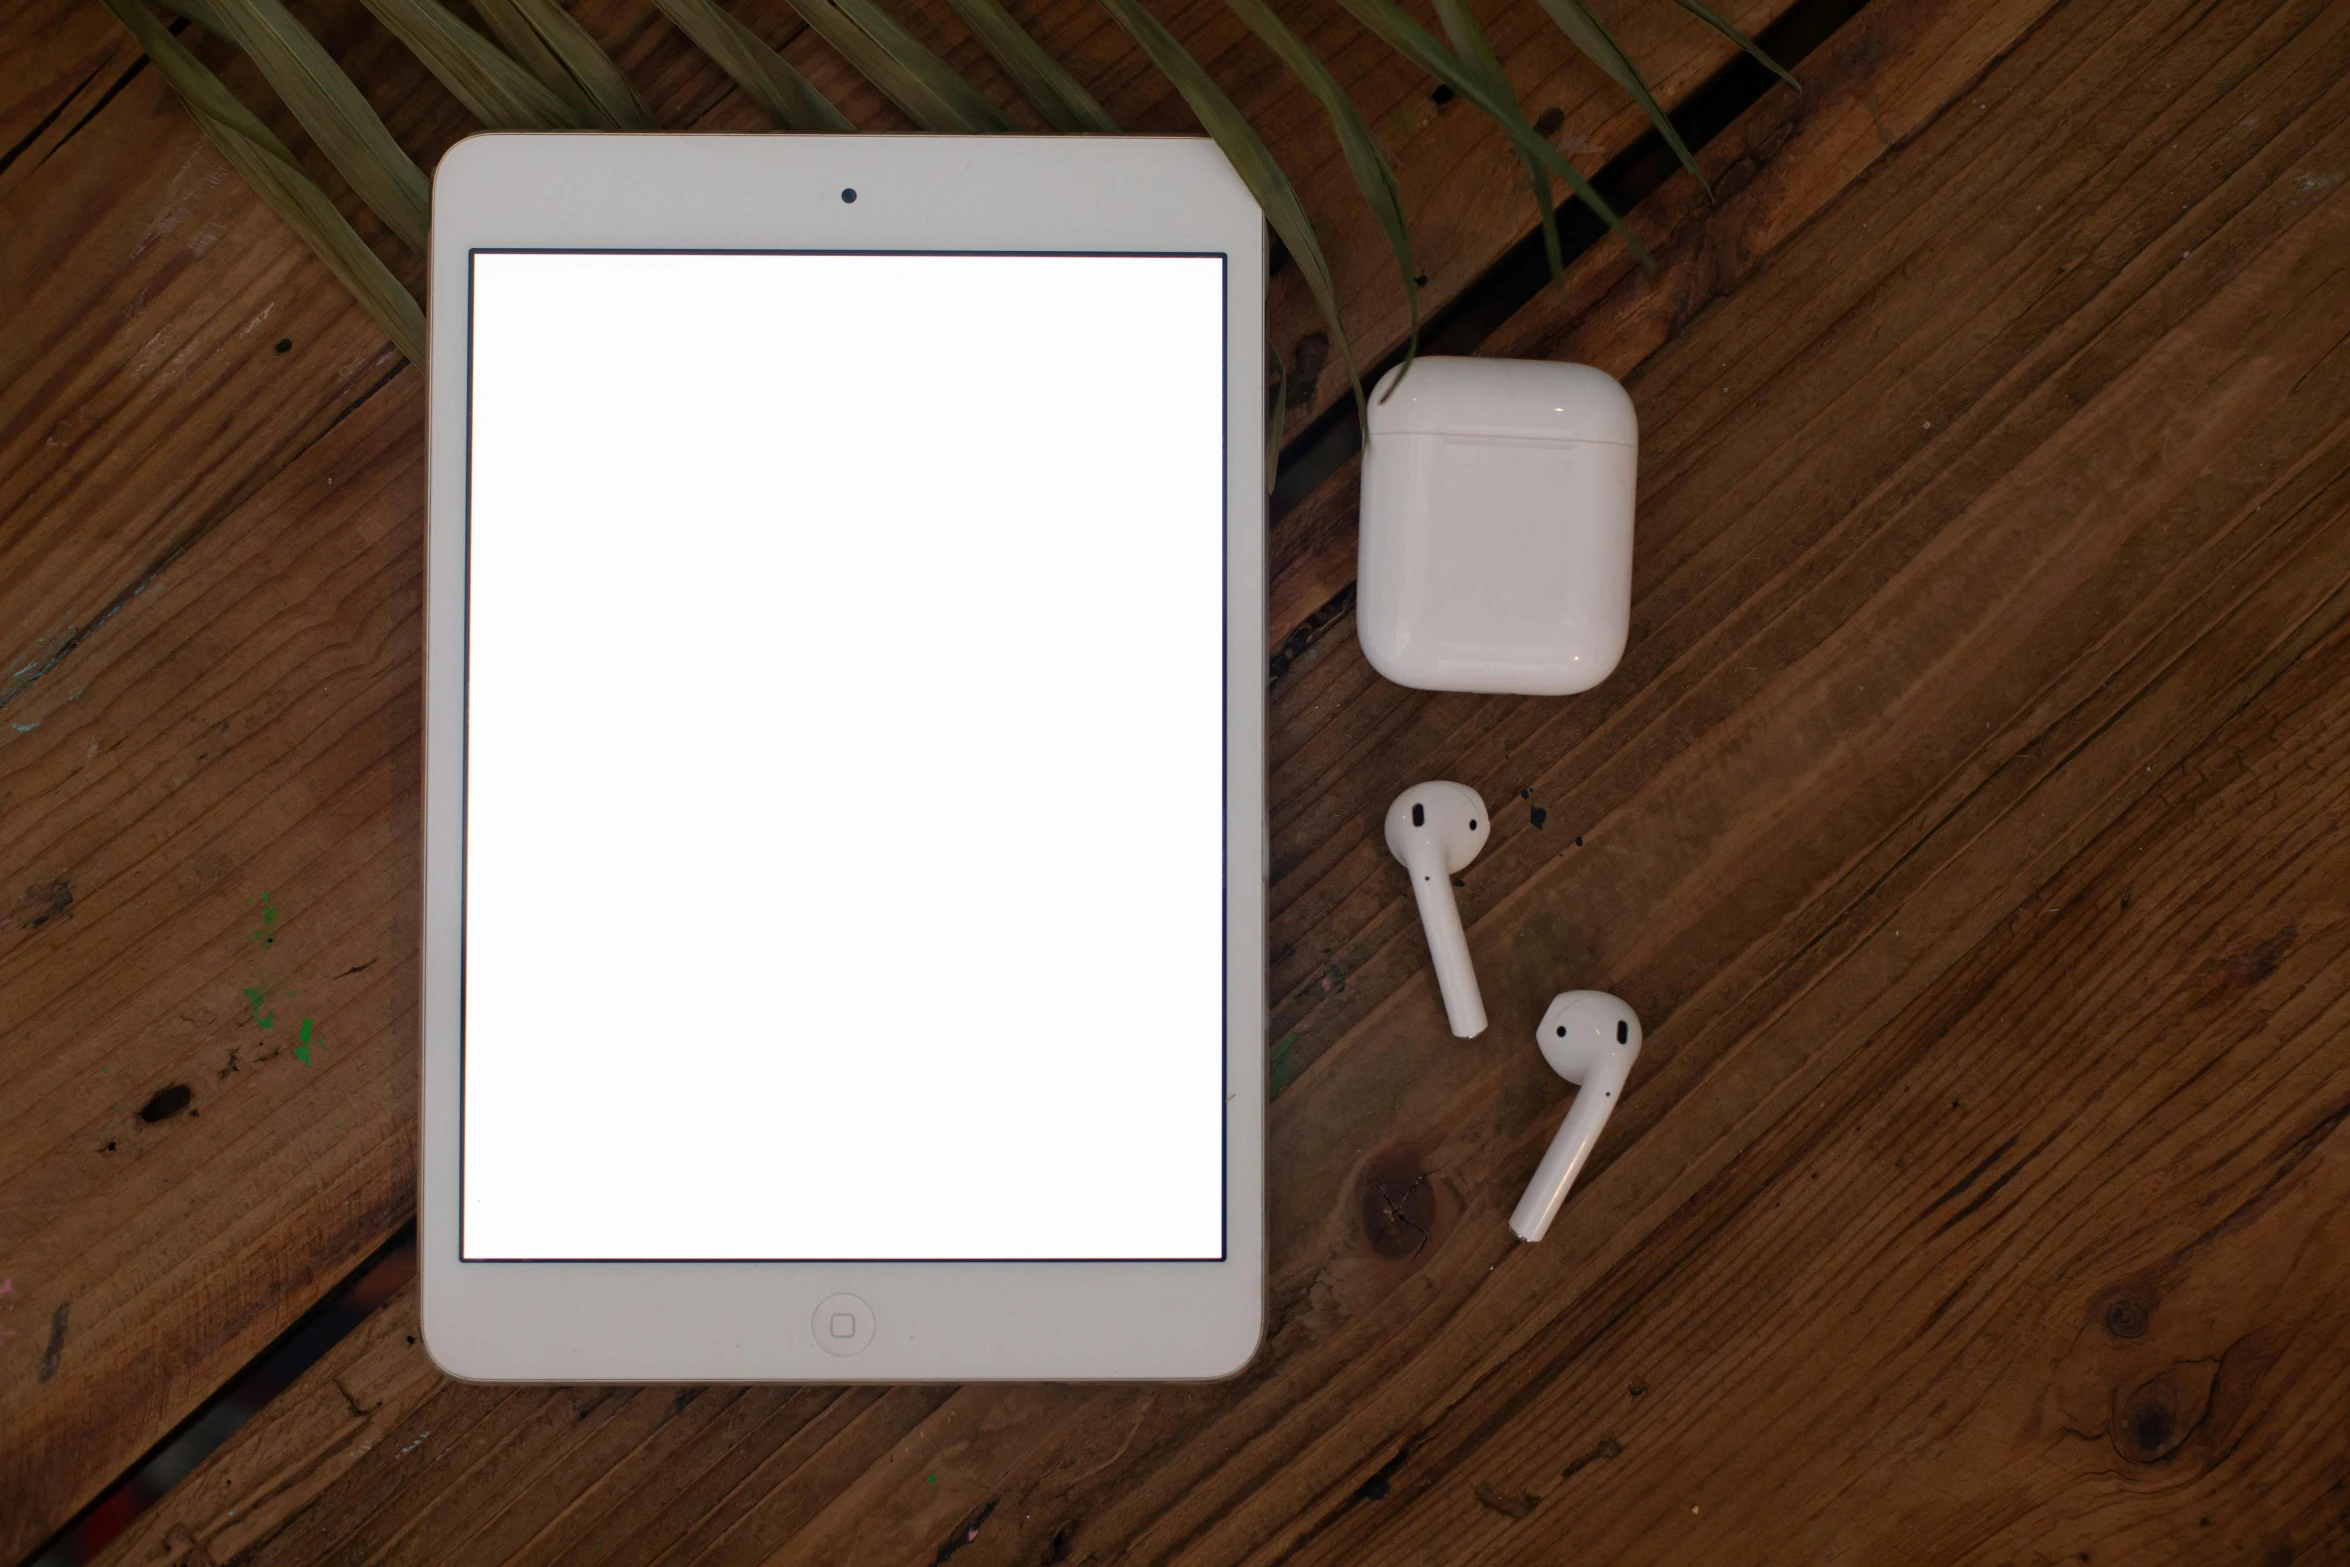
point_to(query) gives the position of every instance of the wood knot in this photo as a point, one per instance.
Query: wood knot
(2155, 1419)
(2126, 1310)
(1399, 1212)
(2148, 1430)
(2128, 1318)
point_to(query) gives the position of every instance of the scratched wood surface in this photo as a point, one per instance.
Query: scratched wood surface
(1978, 745)
(232, 845)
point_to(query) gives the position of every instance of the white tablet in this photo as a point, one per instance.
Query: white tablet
(844, 872)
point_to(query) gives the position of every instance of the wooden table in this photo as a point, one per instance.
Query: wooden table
(1967, 821)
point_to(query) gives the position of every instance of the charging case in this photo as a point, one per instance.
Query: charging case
(1496, 549)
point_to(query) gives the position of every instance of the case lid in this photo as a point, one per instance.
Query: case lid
(1532, 399)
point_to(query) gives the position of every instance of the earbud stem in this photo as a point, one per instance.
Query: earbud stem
(1448, 944)
(1564, 1160)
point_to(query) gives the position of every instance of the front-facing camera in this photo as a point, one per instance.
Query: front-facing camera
(848, 195)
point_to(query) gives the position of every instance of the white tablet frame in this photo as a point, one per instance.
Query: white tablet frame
(752, 1321)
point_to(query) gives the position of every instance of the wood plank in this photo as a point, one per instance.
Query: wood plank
(1815, 467)
(145, 407)
(63, 58)
(1464, 191)
(1887, 683)
(1874, 84)
(142, 393)
(156, 342)
(217, 834)
(2131, 1294)
(2060, 1266)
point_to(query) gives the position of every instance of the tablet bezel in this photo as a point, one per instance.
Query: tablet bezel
(754, 1321)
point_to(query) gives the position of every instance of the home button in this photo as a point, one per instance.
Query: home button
(842, 1325)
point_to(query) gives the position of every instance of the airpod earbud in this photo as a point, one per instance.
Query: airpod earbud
(1591, 1039)
(1436, 829)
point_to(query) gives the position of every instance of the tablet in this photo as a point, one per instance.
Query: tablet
(844, 719)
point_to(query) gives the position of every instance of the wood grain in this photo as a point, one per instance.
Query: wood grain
(217, 842)
(2117, 1299)
(1870, 87)
(140, 397)
(2060, 1265)
(154, 435)
(2006, 586)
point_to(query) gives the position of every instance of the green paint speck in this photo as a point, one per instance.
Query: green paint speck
(1280, 1072)
(255, 995)
(305, 1031)
(930, 1479)
(302, 1054)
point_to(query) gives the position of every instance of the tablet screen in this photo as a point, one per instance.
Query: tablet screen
(844, 778)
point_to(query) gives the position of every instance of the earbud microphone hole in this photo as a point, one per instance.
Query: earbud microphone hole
(1425, 832)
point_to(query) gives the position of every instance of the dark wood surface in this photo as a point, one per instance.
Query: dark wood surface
(231, 530)
(1966, 823)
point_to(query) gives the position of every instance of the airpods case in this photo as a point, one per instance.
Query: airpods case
(1496, 549)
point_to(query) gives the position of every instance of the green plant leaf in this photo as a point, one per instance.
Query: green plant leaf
(1253, 161)
(765, 77)
(1058, 99)
(329, 106)
(1601, 49)
(519, 39)
(1477, 53)
(1407, 38)
(494, 89)
(909, 75)
(1706, 15)
(1374, 176)
(974, 110)
(609, 92)
(256, 154)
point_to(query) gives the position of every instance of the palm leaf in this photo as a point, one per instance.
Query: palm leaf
(481, 76)
(1063, 104)
(903, 79)
(552, 75)
(1253, 161)
(609, 91)
(1407, 38)
(973, 111)
(328, 105)
(1374, 176)
(255, 153)
(514, 33)
(1477, 54)
(765, 77)
(1585, 33)
(1706, 15)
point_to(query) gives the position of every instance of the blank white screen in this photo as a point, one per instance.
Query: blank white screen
(844, 778)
